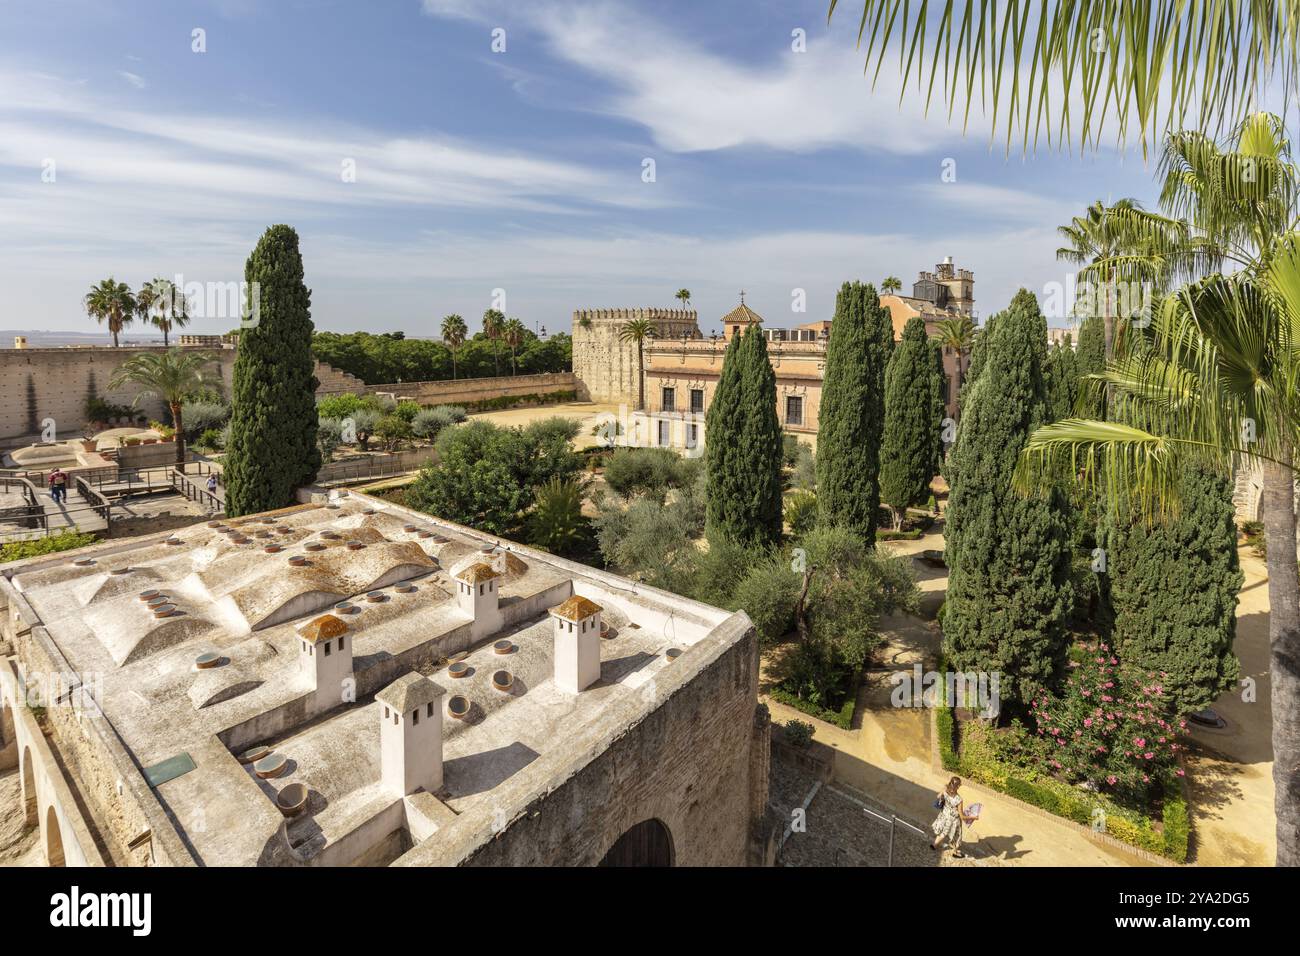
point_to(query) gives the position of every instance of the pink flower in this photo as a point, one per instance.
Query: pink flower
(1087, 722)
(1111, 779)
(1179, 772)
(1148, 755)
(1138, 741)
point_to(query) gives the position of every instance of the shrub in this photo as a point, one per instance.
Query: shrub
(210, 439)
(799, 733)
(428, 422)
(556, 522)
(406, 410)
(338, 406)
(199, 417)
(392, 430)
(643, 471)
(801, 512)
(50, 544)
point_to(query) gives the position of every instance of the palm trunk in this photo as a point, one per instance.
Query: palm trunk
(640, 378)
(1278, 502)
(180, 435)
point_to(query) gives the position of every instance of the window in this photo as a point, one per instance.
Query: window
(385, 712)
(340, 643)
(793, 410)
(697, 400)
(429, 711)
(480, 589)
(663, 432)
(669, 399)
(327, 648)
(396, 718)
(415, 716)
(692, 436)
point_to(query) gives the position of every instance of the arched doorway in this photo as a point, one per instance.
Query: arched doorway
(29, 788)
(53, 839)
(647, 844)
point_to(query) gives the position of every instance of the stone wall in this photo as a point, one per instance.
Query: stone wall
(56, 382)
(696, 763)
(466, 390)
(607, 368)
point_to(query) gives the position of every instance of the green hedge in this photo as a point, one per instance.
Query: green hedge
(1063, 800)
(50, 544)
(842, 718)
(513, 401)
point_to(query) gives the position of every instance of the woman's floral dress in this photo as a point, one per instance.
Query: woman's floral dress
(948, 823)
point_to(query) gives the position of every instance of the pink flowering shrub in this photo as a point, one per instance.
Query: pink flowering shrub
(1108, 729)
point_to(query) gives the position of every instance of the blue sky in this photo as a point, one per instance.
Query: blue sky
(520, 170)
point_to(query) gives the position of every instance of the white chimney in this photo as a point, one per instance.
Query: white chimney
(410, 735)
(477, 596)
(577, 644)
(325, 659)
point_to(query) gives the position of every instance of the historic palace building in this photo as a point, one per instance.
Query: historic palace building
(682, 366)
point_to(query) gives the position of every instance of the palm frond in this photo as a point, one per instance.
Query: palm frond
(1084, 69)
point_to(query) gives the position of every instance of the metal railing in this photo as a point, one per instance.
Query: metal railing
(97, 502)
(374, 466)
(198, 491)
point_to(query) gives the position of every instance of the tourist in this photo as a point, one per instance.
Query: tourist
(58, 485)
(952, 818)
(212, 484)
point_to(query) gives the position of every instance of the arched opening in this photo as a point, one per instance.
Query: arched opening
(29, 788)
(8, 736)
(53, 839)
(647, 844)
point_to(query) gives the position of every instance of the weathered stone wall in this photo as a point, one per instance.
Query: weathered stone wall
(466, 390)
(37, 384)
(608, 368)
(691, 764)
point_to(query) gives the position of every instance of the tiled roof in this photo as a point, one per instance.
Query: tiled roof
(741, 313)
(576, 609)
(477, 573)
(410, 691)
(323, 628)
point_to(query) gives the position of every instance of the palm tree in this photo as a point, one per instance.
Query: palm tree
(1123, 245)
(171, 307)
(1090, 69)
(1216, 382)
(493, 323)
(170, 376)
(958, 334)
(683, 296)
(112, 302)
(513, 334)
(454, 333)
(638, 330)
(890, 284)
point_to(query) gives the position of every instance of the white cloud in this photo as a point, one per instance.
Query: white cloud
(692, 99)
(135, 79)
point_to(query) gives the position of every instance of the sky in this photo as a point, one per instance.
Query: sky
(440, 156)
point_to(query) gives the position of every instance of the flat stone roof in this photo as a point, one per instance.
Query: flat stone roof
(236, 594)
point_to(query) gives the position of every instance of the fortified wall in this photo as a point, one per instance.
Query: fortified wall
(607, 368)
(57, 382)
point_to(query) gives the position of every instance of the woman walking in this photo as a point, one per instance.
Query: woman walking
(952, 818)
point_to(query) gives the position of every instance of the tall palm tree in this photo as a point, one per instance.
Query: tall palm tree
(513, 334)
(170, 307)
(637, 331)
(958, 334)
(1217, 382)
(112, 302)
(1087, 69)
(683, 296)
(170, 376)
(454, 333)
(1123, 246)
(890, 284)
(493, 324)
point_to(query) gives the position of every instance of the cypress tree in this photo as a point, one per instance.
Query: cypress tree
(938, 406)
(1008, 589)
(1062, 382)
(272, 448)
(761, 443)
(1172, 589)
(743, 446)
(907, 447)
(852, 413)
(1091, 359)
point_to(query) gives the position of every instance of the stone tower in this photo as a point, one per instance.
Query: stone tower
(606, 367)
